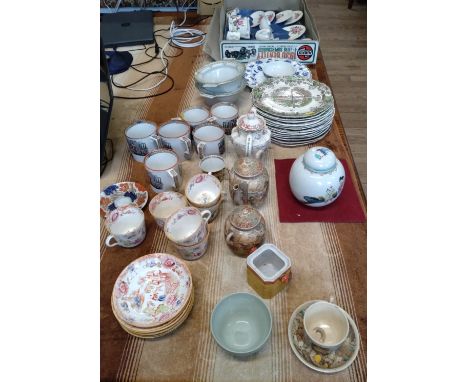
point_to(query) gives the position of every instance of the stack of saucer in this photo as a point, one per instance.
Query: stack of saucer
(298, 111)
(153, 295)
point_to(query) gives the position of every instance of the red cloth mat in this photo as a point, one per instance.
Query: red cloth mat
(345, 209)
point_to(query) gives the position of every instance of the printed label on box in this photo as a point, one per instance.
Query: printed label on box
(302, 51)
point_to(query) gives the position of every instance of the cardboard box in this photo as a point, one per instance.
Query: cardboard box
(207, 7)
(303, 50)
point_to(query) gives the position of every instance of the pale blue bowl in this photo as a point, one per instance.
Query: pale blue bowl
(241, 324)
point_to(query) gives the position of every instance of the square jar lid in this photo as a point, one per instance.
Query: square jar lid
(268, 262)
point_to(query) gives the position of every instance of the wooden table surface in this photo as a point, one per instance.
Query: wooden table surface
(328, 260)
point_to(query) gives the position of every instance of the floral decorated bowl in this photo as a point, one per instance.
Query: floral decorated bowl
(122, 194)
(317, 177)
(278, 68)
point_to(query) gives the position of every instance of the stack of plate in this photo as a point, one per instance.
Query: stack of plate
(153, 295)
(298, 111)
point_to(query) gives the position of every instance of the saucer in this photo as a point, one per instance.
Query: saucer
(122, 194)
(297, 15)
(316, 358)
(281, 17)
(295, 31)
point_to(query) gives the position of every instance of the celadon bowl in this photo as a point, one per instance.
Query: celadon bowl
(241, 324)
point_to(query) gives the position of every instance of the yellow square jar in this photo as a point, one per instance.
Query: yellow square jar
(268, 270)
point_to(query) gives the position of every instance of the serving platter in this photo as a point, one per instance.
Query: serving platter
(316, 358)
(254, 71)
(292, 97)
(152, 290)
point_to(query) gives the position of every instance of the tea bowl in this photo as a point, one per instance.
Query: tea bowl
(326, 325)
(241, 324)
(203, 190)
(164, 205)
(278, 68)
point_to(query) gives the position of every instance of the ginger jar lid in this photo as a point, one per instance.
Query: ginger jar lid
(251, 121)
(245, 217)
(248, 167)
(319, 159)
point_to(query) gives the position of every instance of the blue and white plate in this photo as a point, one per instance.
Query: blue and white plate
(122, 194)
(254, 71)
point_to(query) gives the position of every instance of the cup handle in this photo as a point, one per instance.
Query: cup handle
(158, 140)
(175, 178)
(259, 153)
(108, 241)
(211, 119)
(188, 147)
(248, 145)
(229, 237)
(206, 214)
(201, 149)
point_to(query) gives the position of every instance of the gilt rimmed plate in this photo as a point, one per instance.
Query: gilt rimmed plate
(292, 97)
(254, 71)
(295, 31)
(296, 16)
(122, 194)
(316, 358)
(152, 290)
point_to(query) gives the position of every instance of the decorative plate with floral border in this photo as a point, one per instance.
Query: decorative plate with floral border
(122, 194)
(317, 358)
(254, 71)
(292, 97)
(152, 290)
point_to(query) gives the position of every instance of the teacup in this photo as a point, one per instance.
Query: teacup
(175, 135)
(195, 115)
(225, 114)
(214, 165)
(164, 205)
(214, 209)
(203, 190)
(126, 225)
(163, 170)
(209, 140)
(141, 139)
(187, 226)
(326, 325)
(193, 252)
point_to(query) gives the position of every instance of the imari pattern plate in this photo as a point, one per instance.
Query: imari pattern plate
(152, 290)
(292, 97)
(315, 357)
(122, 194)
(254, 71)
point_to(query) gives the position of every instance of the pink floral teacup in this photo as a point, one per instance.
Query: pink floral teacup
(193, 252)
(164, 205)
(203, 190)
(187, 226)
(126, 226)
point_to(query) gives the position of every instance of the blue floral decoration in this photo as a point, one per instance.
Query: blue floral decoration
(111, 189)
(131, 195)
(161, 298)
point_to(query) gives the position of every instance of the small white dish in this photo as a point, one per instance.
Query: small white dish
(281, 17)
(264, 34)
(295, 31)
(270, 15)
(297, 15)
(256, 16)
(278, 68)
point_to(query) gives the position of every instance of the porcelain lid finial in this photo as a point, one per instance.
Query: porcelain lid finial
(319, 159)
(251, 121)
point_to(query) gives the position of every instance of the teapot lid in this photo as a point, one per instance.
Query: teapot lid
(248, 167)
(251, 121)
(245, 217)
(319, 159)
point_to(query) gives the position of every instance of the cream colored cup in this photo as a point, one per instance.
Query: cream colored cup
(187, 226)
(326, 325)
(126, 226)
(164, 205)
(225, 114)
(213, 165)
(209, 139)
(203, 190)
(195, 115)
(193, 252)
